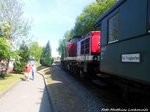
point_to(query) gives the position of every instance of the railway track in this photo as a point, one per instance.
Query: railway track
(110, 95)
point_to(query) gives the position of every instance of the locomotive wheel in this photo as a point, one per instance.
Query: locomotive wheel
(75, 71)
(81, 74)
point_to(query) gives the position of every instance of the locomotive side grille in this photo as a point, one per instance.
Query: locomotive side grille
(85, 46)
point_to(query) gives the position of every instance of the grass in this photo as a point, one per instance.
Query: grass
(46, 72)
(9, 81)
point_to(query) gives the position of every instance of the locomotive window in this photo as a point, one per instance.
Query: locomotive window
(148, 16)
(113, 28)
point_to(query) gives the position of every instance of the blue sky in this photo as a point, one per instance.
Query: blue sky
(52, 18)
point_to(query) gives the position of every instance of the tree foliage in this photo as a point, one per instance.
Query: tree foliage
(35, 50)
(61, 48)
(22, 60)
(13, 24)
(4, 49)
(84, 22)
(5, 54)
(46, 57)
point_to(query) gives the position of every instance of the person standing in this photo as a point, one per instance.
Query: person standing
(27, 71)
(33, 71)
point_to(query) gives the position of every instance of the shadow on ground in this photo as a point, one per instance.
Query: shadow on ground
(46, 105)
(62, 94)
(71, 94)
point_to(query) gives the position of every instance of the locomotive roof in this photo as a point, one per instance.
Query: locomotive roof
(76, 36)
(108, 12)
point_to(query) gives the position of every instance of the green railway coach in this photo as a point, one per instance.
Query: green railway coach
(125, 41)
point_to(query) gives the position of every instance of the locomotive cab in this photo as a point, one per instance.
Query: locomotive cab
(88, 46)
(71, 48)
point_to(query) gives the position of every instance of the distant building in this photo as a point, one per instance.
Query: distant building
(10, 65)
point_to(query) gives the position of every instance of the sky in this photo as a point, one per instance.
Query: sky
(52, 18)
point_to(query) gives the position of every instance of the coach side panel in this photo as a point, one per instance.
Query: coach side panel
(125, 42)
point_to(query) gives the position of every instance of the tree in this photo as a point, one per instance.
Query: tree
(22, 60)
(6, 53)
(13, 25)
(35, 50)
(46, 57)
(61, 48)
(12, 15)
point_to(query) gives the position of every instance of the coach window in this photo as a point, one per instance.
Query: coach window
(113, 28)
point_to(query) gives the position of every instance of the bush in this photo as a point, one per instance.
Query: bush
(46, 61)
(19, 67)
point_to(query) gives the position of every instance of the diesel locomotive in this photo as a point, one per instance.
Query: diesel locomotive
(82, 54)
(119, 51)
